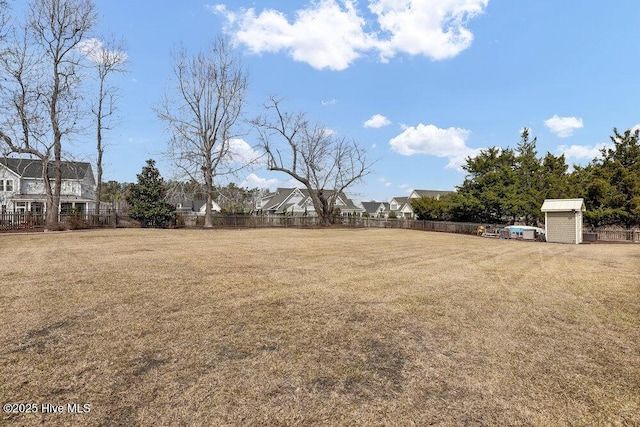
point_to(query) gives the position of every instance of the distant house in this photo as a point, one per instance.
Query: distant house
(376, 209)
(436, 194)
(297, 201)
(22, 187)
(402, 207)
(195, 206)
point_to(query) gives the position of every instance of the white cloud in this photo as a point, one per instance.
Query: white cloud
(435, 29)
(95, 51)
(334, 33)
(563, 126)
(242, 152)
(582, 152)
(329, 102)
(385, 182)
(254, 181)
(377, 121)
(324, 35)
(450, 143)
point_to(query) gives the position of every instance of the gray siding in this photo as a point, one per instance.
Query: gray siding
(561, 227)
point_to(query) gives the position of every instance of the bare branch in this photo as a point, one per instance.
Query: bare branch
(40, 92)
(203, 113)
(311, 154)
(105, 59)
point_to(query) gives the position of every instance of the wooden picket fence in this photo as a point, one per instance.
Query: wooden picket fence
(20, 220)
(613, 235)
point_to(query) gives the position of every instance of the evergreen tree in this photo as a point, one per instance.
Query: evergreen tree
(489, 191)
(432, 208)
(554, 182)
(528, 197)
(613, 189)
(146, 198)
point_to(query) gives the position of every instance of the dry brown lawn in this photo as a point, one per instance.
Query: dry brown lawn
(318, 327)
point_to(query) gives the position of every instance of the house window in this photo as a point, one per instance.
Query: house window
(21, 206)
(6, 185)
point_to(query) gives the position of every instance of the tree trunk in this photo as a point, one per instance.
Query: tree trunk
(51, 217)
(100, 150)
(208, 182)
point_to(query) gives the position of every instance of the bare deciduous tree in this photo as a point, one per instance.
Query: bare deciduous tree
(202, 113)
(4, 18)
(41, 98)
(106, 58)
(312, 155)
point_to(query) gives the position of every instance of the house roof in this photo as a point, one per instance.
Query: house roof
(200, 206)
(371, 207)
(431, 193)
(401, 200)
(189, 205)
(32, 168)
(563, 205)
(282, 195)
(278, 198)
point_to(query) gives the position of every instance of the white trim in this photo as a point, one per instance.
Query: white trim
(13, 172)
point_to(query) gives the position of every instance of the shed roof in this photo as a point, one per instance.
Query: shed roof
(563, 205)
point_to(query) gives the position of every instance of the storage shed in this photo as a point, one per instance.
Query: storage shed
(563, 220)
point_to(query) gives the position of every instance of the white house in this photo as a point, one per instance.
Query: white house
(297, 201)
(402, 207)
(22, 186)
(376, 209)
(198, 207)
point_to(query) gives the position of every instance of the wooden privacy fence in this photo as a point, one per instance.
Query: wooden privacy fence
(248, 221)
(611, 235)
(74, 220)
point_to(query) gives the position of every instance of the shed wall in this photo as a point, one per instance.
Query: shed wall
(561, 227)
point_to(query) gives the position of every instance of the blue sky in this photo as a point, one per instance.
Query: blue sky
(387, 74)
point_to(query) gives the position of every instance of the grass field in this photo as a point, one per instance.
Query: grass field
(317, 327)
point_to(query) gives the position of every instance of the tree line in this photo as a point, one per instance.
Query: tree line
(153, 200)
(509, 185)
(44, 61)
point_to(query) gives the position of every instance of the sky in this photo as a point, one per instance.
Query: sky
(421, 84)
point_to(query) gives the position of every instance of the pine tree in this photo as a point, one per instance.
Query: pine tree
(146, 198)
(528, 197)
(614, 191)
(490, 187)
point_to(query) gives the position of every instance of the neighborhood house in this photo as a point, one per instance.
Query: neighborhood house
(297, 201)
(22, 187)
(400, 206)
